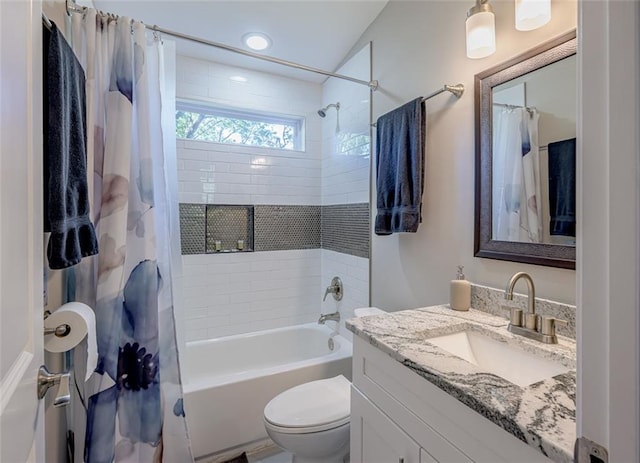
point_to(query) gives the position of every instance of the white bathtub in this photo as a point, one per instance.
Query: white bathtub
(228, 381)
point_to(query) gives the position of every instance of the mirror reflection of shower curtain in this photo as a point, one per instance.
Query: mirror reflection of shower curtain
(516, 176)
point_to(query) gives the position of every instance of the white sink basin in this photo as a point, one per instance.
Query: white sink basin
(509, 362)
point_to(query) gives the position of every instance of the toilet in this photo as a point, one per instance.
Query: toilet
(312, 420)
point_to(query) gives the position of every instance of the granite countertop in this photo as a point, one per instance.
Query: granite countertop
(541, 414)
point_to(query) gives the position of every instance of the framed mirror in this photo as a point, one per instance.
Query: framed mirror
(525, 113)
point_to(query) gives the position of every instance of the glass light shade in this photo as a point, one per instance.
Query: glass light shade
(532, 14)
(481, 35)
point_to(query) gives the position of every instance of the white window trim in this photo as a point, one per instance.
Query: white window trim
(298, 122)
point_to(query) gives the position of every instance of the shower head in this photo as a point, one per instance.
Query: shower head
(323, 112)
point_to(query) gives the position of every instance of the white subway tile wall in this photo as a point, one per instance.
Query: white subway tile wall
(234, 174)
(354, 273)
(230, 174)
(239, 293)
(345, 155)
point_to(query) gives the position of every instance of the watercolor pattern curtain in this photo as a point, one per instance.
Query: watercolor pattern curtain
(132, 408)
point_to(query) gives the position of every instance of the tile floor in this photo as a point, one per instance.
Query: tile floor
(275, 456)
(271, 456)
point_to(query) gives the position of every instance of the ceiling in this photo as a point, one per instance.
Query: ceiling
(310, 32)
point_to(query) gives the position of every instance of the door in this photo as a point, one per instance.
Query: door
(608, 258)
(21, 259)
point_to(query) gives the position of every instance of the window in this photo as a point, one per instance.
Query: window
(237, 126)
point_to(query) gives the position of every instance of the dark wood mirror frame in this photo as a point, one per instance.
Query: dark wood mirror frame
(551, 255)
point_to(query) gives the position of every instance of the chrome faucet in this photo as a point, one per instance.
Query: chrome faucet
(530, 316)
(334, 288)
(335, 316)
(541, 329)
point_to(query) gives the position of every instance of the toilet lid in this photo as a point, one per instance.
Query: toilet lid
(317, 403)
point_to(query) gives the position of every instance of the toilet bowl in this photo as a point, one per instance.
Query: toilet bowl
(312, 420)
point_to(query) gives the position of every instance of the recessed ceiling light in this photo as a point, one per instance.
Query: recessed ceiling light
(238, 79)
(256, 41)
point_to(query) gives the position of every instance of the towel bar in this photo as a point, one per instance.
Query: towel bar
(457, 90)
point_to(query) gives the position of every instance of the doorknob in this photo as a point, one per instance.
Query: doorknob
(47, 380)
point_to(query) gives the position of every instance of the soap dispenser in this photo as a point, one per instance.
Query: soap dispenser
(460, 296)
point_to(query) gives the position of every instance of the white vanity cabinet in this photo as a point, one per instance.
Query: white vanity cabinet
(398, 416)
(377, 438)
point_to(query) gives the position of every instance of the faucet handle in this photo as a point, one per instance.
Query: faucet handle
(548, 325)
(515, 317)
(334, 288)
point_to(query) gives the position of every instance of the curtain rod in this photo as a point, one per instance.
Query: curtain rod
(72, 7)
(529, 109)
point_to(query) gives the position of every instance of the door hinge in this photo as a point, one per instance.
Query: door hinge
(587, 451)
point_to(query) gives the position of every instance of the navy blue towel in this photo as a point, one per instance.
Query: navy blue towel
(66, 199)
(400, 168)
(562, 187)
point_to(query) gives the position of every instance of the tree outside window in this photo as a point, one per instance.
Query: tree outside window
(237, 127)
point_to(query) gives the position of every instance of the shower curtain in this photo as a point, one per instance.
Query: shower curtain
(131, 407)
(517, 210)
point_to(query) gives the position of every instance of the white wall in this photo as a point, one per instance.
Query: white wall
(234, 174)
(239, 293)
(228, 294)
(354, 273)
(418, 47)
(226, 174)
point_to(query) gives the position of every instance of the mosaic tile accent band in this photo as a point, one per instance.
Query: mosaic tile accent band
(192, 228)
(226, 225)
(345, 228)
(342, 228)
(279, 228)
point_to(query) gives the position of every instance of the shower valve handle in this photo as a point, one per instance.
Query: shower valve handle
(334, 288)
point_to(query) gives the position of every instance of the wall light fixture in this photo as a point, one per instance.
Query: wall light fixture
(481, 30)
(532, 14)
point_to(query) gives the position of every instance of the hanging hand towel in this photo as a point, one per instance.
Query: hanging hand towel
(400, 168)
(562, 187)
(66, 200)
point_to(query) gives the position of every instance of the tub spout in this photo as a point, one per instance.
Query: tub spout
(330, 316)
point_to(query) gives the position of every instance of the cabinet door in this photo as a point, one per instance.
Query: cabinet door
(375, 438)
(425, 457)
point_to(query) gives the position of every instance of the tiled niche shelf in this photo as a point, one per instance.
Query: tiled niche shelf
(213, 228)
(342, 228)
